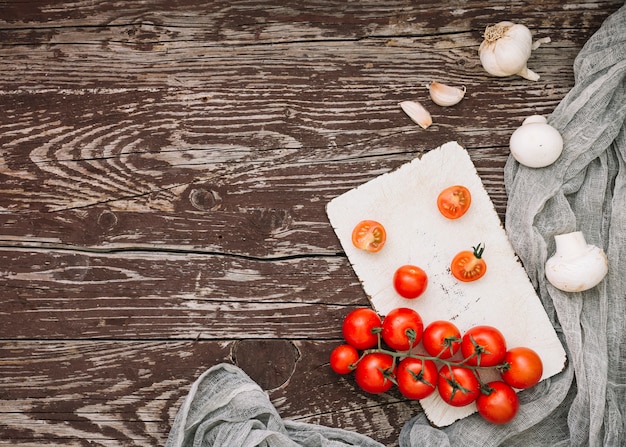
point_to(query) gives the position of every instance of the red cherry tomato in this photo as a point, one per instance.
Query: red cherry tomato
(343, 359)
(458, 386)
(410, 281)
(369, 235)
(374, 372)
(361, 327)
(441, 339)
(522, 368)
(402, 329)
(468, 265)
(498, 404)
(483, 346)
(454, 201)
(417, 378)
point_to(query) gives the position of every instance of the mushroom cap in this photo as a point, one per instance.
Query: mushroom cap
(580, 273)
(536, 144)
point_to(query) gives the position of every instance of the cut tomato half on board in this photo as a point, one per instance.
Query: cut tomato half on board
(369, 235)
(469, 265)
(454, 201)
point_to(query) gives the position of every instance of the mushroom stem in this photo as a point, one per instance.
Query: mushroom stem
(570, 245)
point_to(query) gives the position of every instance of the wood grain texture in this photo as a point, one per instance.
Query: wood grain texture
(64, 295)
(164, 172)
(127, 392)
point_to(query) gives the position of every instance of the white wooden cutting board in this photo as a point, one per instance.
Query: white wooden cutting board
(405, 202)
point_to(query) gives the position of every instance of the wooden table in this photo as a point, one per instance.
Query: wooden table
(164, 171)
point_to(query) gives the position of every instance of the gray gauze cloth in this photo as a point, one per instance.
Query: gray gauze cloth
(225, 408)
(585, 190)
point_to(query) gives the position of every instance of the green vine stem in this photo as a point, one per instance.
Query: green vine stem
(408, 354)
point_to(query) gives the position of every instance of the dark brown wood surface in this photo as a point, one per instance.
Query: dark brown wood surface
(164, 171)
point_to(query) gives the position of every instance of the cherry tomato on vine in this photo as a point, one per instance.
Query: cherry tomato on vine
(410, 281)
(469, 265)
(402, 329)
(483, 346)
(441, 339)
(458, 386)
(454, 201)
(374, 372)
(369, 235)
(361, 327)
(343, 359)
(522, 368)
(416, 378)
(498, 403)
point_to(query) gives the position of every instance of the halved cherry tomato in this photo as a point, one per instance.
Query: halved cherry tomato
(369, 235)
(454, 201)
(498, 403)
(343, 359)
(469, 265)
(410, 281)
(522, 367)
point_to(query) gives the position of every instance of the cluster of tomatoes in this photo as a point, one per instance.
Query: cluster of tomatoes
(410, 281)
(399, 350)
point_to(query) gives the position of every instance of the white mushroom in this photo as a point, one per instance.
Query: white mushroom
(576, 266)
(535, 143)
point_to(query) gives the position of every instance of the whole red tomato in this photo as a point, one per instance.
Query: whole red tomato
(343, 359)
(522, 368)
(498, 404)
(361, 327)
(441, 339)
(484, 346)
(402, 329)
(410, 281)
(457, 386)
(374, 372)
(416, 378)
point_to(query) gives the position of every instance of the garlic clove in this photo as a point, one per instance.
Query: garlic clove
(527, 73)
(576, 266)
(535, 143)
(445, 95)
(417, 113)
(537, 43)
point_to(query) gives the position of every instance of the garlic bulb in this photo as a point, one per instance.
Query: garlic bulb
(506, 48)
(535, 143)
(417, 113)
(576, 266)
(444, 95)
